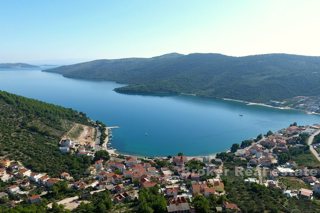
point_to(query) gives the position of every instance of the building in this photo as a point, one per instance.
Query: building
(178, 205)
(285, 171)
(179, 160)
(130, 161)
(3, 195)
(34, 199)
(35, 177)
(172, 191)
(64, 149)
(5, 163)
(316, 189)
(24, 172)
(14, 189)
(99, 164)
(52, 181)
(66, 176)
(231, 207)
(306, 193)
(66, 143)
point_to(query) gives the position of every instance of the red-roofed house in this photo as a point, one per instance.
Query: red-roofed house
(34, 199)
(231, 206)
(306, 193)
(180, 160)
(52, 181)
(131, 161)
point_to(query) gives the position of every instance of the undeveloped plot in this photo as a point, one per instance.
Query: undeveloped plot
(87, 136)
(81, 134)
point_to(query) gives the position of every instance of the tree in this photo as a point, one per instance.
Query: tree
(180, 154)
(101, 154)
(194, 164)
(259, 137)
(57, 208)
(102, 201)
(246, 143)
(234, 147)
(283, 158)
(201, 204)
(150, 200)
(144, 208)
(269, 133)
(85, 208)
(294, 124)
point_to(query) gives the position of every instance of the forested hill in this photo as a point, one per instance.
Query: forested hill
(252, 78)
(30, 131)
(17, 66)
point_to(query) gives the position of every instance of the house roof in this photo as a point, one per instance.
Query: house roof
(306, 192)
(209, 190)
(233, 206)
(34, 197)
(148, 184)
(53, 180)
(99, 161)
(65, 174)
(179, 204)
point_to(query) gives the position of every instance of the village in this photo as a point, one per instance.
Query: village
(179, 178)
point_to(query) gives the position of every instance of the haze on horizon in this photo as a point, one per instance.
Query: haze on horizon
(78, 30)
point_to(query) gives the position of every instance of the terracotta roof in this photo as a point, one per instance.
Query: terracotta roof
(148, 184)
(209, 190)
(34, 197)
(306, 192)
(99, 161)
(233, 206)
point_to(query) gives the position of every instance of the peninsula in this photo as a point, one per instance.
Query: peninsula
(17, 66)
(279, 80)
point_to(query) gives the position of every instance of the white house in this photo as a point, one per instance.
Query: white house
(14, 189)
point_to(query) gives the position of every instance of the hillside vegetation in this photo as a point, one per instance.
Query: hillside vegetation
(259, 78)
(30, 131)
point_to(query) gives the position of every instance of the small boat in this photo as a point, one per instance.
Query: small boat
(240, 115)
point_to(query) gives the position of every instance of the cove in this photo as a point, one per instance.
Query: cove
(151, 125)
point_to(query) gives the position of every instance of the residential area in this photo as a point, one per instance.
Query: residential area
(179, 179)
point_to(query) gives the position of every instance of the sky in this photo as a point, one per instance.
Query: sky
(69, 31)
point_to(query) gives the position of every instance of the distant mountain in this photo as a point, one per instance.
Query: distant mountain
(17, 66)
(258, 78)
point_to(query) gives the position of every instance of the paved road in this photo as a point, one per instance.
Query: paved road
(310, 140)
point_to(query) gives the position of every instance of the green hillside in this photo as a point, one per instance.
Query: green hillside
(30, 131)
(252, 78)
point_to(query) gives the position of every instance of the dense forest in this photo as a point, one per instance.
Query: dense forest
(30, 131)
(259, 78)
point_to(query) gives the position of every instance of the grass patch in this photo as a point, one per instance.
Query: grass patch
(75, 131)
(293, 183)
(306, 159)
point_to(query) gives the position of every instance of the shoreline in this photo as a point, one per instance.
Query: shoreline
(248, 103)
(116, 153)
(184, 94)
(270, 106)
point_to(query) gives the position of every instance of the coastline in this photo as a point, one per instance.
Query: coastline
(248, 103)
(161, 94)
(270, 106)
(116, 153)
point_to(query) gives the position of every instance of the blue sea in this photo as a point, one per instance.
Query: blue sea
(151, 125)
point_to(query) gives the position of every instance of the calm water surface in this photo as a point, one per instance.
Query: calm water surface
(153, 126)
